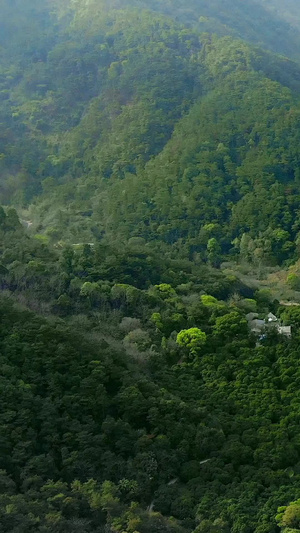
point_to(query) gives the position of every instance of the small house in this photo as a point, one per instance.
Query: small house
(285, 330)
(259, 326)
(272, 319)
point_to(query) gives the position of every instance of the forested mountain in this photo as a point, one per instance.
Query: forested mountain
(142, 146)
(96, 111)
(266, 22)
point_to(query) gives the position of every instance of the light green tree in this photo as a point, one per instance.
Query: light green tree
(288, 517)
(293, 281)
(193, 339)
(213, 251)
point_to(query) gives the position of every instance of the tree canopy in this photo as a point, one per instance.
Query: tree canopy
(144, 146)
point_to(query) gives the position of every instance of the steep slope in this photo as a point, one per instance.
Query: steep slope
(134, 398)
(55, 59)
(232, 163)
(110, 91)
(130, 70)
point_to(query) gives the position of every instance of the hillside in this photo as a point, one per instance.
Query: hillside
(96, 81)
(136, 397)
(234, 145)
(149, 176)
(100, 109)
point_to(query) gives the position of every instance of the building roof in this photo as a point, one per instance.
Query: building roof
(251, 316)
(257, 325)
(285, 330)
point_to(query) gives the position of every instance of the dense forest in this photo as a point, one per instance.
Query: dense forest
(119, 116)
(145, 386)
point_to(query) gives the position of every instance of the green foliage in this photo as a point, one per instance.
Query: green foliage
(129, 124)
(133, 397)
(139, 339)
(126, 395)
(293, 281)
(231, 325)
(213, 251)
(209, 301)
(206, 526)
(291, 315)
(288, 517)
(193, 339)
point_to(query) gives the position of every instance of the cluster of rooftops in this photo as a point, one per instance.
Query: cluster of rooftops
(259, 326)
